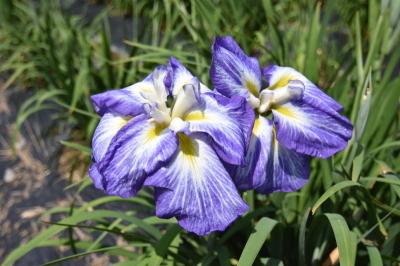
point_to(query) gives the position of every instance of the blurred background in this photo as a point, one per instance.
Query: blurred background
(55, 54)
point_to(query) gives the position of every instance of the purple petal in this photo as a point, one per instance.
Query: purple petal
(221, 121)
(180, 77)
(138, 149)
(107, 128)
(319, 132)
(252, 174)
(196, 189)
(286, 170)
(121, 102)
(232, 72)
(277, 76)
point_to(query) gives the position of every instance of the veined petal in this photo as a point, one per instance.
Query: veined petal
(138, 149)
(130, 100)
(227, 122)
(196, 189)
(319, 132)
(286, 170)
(180, 77)
(270, 167)
(278, 77)
(252, 174)
(232, 72)
(107, 128)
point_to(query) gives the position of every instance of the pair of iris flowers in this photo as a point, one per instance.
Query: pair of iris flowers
(198, 147)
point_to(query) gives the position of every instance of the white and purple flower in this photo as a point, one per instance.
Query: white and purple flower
(171, 132)
(294, 119)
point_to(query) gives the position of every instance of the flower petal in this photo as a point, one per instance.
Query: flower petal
(252, 174)
(319, 132)
(196, 189)
(180, 77)
(232, 72)
(130, 100)
(226, 121)
(286, 170)
(138, 149)
(270, 167)
(277, 77)
(107, 128)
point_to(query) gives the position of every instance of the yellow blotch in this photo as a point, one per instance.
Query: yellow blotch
(154, 132)
(256, 127)
(286, 111)
(187, 145)
(251, 87)
(282, 82)
(195, 115)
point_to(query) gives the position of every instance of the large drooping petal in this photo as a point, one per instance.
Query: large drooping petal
(232, 72)
(286, 170)
(226, 121)
(269, 166)
(319, 132)
(278, 77)
(107, 128)
(196, 189)
(252, 174)
(138, 149)
(130, 100)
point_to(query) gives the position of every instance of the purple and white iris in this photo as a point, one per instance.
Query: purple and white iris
(294, 119)
(171, 132)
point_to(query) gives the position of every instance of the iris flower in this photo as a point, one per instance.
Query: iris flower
(294, 119)
(171, 132)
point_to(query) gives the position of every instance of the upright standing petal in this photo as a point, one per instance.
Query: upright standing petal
(138, 149)
(232, 72)
(196, 189)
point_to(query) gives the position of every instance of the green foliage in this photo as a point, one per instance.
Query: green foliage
(349, 48)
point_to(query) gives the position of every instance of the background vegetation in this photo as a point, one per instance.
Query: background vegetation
(351, 49)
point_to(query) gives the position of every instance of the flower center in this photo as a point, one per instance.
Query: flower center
(294, 90)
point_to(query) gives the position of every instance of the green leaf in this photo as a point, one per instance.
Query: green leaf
(256, 240)
(345, 239)
(374, 256)
(331, 191)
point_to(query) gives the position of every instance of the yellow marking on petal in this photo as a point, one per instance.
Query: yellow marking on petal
(251, 87)
(123, 121)
(154, 132)
(195, 116)
(285, 111)
(187, 145)
(282, 82)
(256, 127)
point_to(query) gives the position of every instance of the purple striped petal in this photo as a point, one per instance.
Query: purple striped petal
(319, 132)
(278, 77)
(107, 128)
(220, 118)
(129, 101)
(232, 72)
(181, 76)
(270, 167)
(138, 149)
(286, 170)
(196, 189)
(252, 174)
